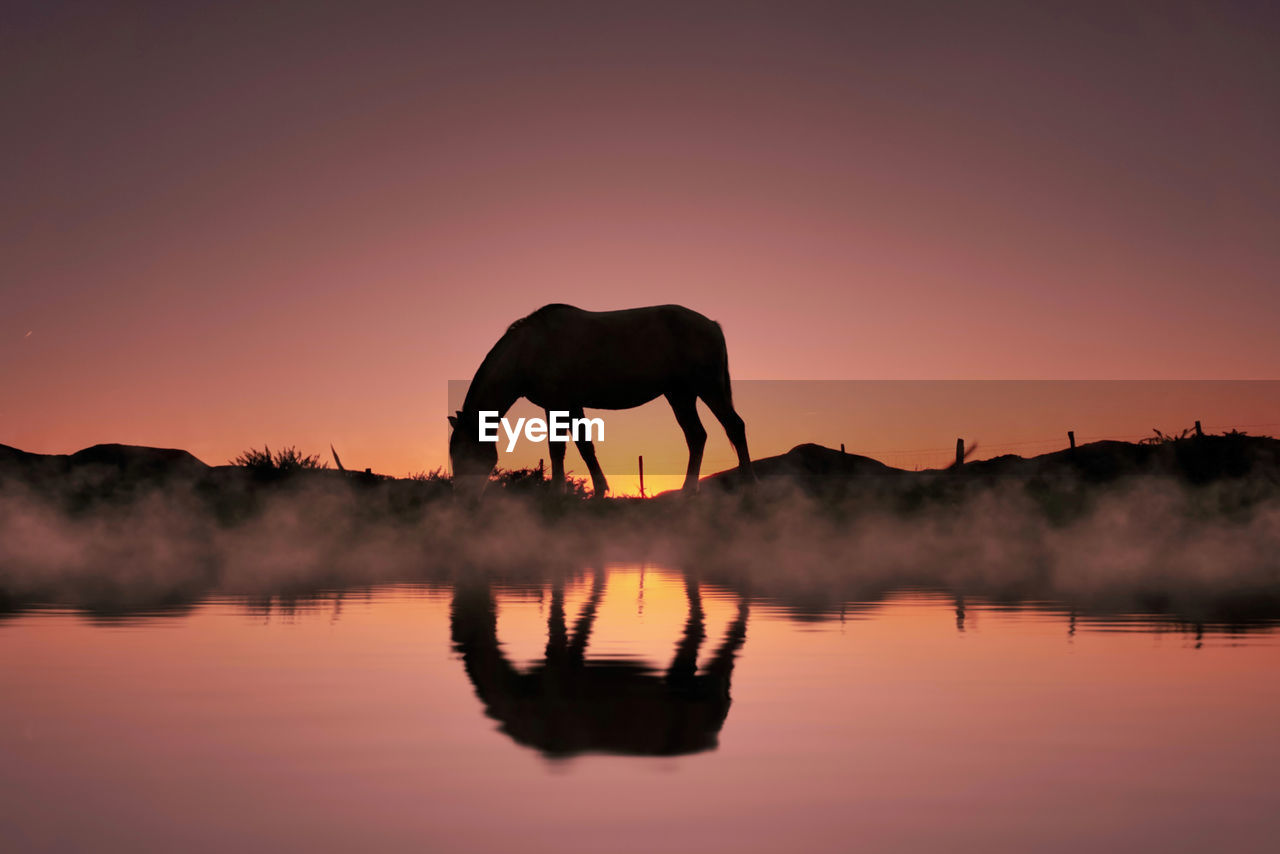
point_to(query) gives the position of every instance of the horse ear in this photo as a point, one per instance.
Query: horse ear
(453, 422)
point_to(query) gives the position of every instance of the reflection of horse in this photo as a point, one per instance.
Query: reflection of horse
(563, 358)
(565, 704)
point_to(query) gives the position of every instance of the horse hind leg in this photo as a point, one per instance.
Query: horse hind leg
(720, 403)
(685, 408)
(599, 486)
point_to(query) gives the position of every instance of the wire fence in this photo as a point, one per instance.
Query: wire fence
(942, 456)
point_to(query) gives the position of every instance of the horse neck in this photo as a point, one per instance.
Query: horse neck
(498, 383)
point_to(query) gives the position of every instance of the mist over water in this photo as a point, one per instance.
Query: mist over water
(1205, 554)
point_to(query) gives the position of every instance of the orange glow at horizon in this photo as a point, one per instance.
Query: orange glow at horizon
(905, 424)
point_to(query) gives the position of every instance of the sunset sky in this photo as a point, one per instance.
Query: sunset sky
(232, 223)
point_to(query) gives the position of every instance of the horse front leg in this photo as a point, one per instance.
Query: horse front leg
(557, 451)
(695, 436)
(599, 486)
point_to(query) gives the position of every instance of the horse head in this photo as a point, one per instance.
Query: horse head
(472, 460)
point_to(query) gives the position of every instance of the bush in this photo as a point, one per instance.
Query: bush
(281, 462)
(1168, 438)
(531, 480)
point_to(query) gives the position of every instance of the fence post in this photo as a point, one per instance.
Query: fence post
(1199, 432)
(842, 447)
(642, 475)
(541, 470)
(959, 452)
(1071, 437)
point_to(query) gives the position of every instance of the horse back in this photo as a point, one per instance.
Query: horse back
(619, 359)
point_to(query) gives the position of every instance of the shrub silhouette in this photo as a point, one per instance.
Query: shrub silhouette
(534, 480)
(281, 462)
(1168, 438)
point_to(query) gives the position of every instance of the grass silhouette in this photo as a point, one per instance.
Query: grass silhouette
(284, 461)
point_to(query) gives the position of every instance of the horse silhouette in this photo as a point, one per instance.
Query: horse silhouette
(566, 359)
(566, 705)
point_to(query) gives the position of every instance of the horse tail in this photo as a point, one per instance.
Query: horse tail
(724, 366)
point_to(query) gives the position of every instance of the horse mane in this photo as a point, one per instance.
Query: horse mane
(503, 344)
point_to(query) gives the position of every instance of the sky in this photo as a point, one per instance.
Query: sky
(230, 224)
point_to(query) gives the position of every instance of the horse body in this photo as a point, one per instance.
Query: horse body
(564, 358)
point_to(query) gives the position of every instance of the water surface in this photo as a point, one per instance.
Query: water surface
(478, 719)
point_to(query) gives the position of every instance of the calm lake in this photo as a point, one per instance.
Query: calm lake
(633, 709)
